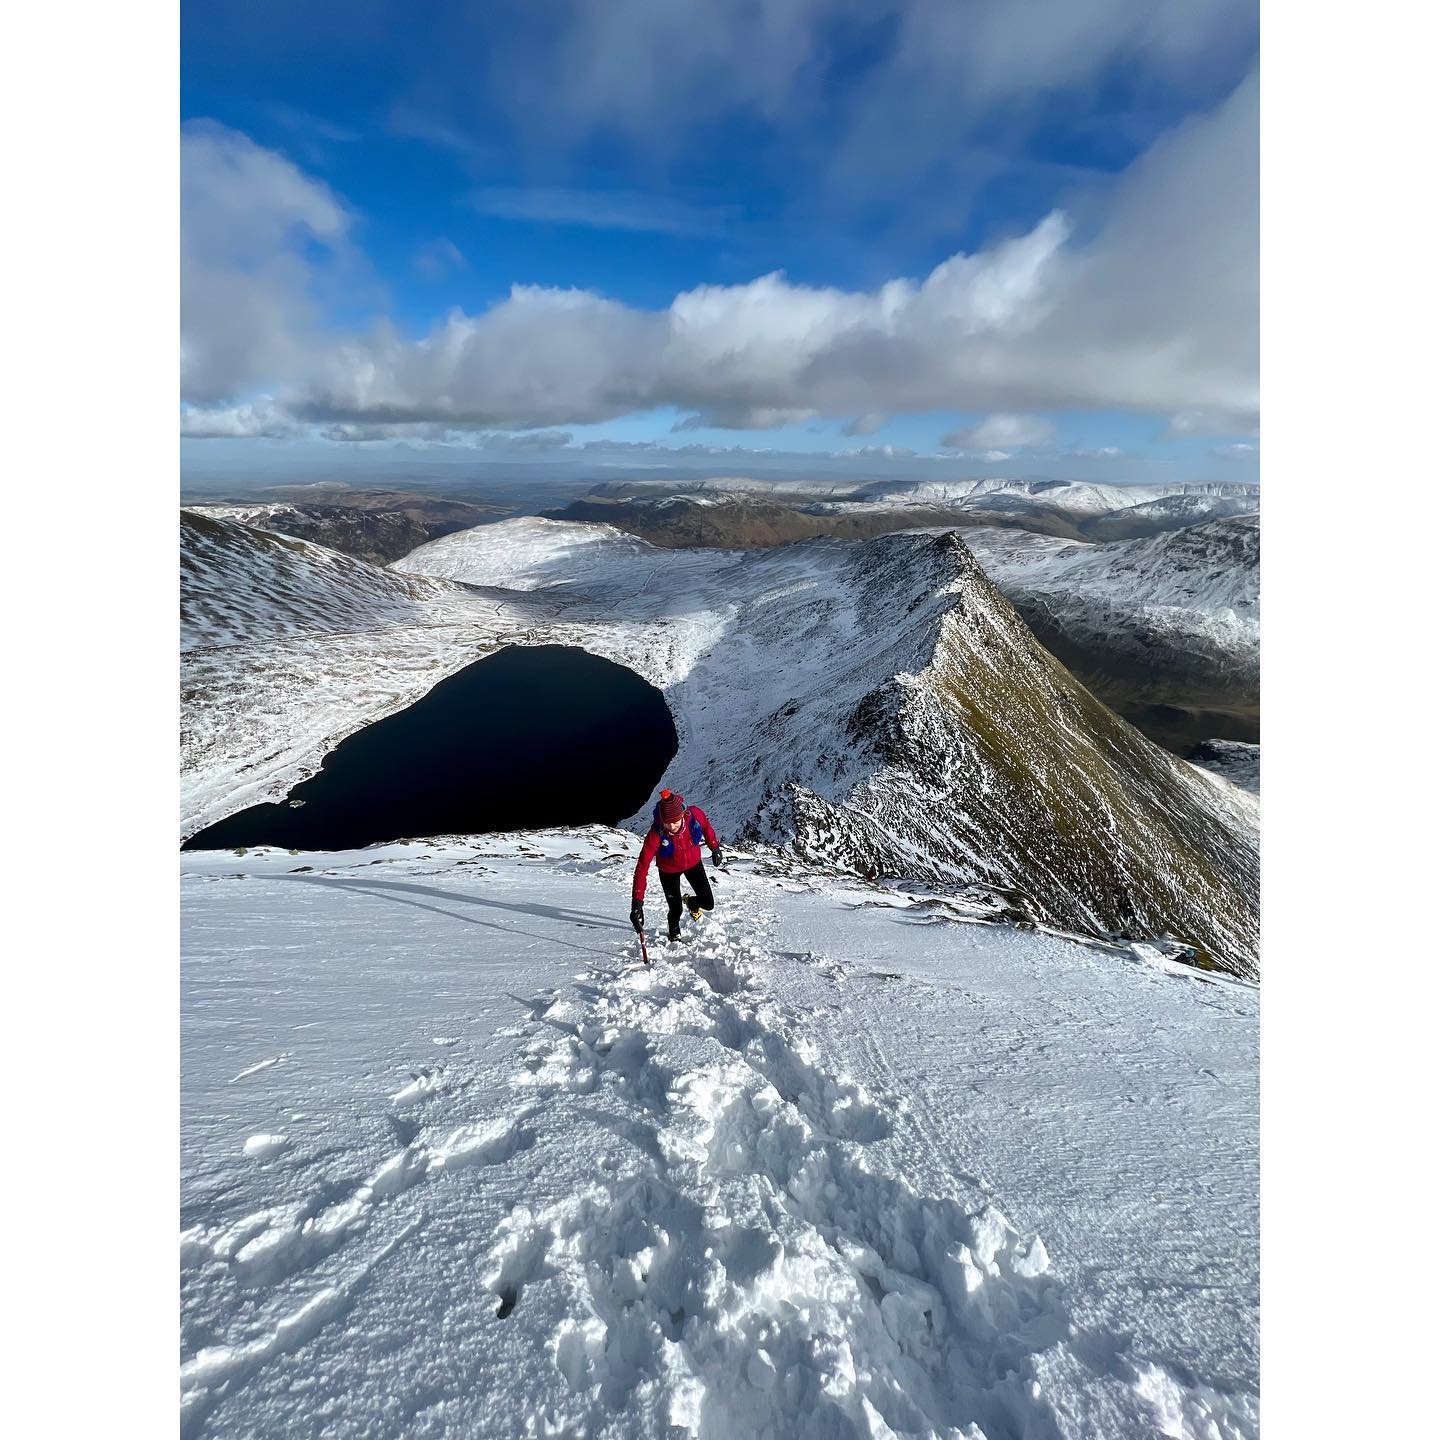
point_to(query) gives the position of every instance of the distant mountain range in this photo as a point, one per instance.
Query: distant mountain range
(375, 525)
(744, 512)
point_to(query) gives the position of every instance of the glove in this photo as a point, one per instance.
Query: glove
(637, 916)
(718, 856)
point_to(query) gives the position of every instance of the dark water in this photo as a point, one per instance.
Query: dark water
(528, 737)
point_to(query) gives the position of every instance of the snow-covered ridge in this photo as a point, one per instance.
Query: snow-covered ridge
(1079, 509)
(378, 526)
(1074, 497)
(876, 706)
(237, 581)
(1212, 568)
(880, 706)
(1189, 596)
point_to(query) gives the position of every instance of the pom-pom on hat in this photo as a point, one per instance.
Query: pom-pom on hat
(672, 806)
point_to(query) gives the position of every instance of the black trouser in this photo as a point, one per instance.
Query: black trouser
(699, 882)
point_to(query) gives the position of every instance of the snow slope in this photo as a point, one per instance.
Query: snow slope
(846, 1165)
(1169, 619)
(287, 647)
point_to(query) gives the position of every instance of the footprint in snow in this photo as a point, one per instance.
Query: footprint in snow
(421, 1087)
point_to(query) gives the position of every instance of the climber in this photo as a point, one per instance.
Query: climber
(674, 845)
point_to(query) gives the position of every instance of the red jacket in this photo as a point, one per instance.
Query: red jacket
(674, 854)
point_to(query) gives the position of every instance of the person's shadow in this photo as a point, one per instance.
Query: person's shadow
(397, 891)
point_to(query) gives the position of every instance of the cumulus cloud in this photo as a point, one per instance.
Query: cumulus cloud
(1015, 432)
(251, 227)
(1156, 311)
(742, 356)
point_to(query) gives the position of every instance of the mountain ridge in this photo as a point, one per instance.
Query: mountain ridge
(828, 696)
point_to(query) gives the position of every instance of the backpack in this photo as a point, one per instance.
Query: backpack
(667, 845)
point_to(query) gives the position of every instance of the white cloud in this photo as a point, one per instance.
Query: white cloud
(880, 452)
(652, 72)
(250, 225)
(260, 419)
(1156, 312)
(865, 424)
(1190, 423)
(1017, 432)
(1238, 451)
(603, 210)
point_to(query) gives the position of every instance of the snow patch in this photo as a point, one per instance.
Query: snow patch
(266, 1147)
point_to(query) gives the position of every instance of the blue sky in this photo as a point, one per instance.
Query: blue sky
(366, 186)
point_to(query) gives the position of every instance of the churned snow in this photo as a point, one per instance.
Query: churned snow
(844, 1163)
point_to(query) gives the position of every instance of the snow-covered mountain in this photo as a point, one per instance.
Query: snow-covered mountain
(1172, 619)
(1173, 512)
(287, 647)
(880, 706)
(379, 526)
(844, 1163)
(1065, 508)
(1077, 500)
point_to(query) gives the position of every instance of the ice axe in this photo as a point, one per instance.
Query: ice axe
(637, 919)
